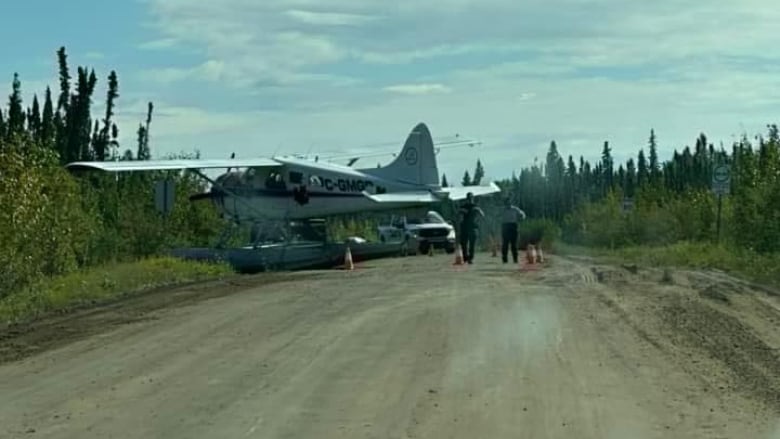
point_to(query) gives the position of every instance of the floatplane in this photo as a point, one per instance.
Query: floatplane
(288, 188)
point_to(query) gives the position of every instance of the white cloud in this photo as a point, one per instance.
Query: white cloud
(328, 18)
(163, 43)
(517, 73)
(418, 89)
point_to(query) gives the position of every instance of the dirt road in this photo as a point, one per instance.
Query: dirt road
(409, 348)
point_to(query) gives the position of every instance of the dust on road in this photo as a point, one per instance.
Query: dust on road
(410, 347)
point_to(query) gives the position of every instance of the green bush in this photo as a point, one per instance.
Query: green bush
(98, 284)
(43, 230)
(538, 231)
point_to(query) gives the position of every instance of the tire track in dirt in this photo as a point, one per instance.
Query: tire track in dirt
(754, 365)
(698, 317)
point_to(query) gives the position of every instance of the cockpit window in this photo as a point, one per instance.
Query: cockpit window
(296, 177)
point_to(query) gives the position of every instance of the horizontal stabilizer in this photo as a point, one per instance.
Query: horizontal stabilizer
(459, 193)
(403, 197)
(163, 165)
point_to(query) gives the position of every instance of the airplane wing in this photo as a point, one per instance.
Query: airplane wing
(459, 193)
(162, 165)
(403, 197)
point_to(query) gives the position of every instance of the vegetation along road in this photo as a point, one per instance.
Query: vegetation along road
(408, 347)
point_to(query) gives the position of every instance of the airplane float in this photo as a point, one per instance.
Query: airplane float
(293, 188)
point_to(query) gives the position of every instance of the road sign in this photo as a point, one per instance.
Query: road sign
(164, 192)
(628, 205)
(721, 180)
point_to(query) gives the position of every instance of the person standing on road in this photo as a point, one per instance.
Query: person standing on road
(469, 214)
(510, 217)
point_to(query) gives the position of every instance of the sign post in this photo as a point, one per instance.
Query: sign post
(628, 205)
(721, 185)
(164, 192)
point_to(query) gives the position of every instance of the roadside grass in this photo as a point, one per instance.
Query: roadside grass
(764, 268)
(98, 284)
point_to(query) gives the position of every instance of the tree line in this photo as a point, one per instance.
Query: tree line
(668, 201)
(53, 222)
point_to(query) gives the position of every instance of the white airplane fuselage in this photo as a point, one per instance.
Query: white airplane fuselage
(300, 189)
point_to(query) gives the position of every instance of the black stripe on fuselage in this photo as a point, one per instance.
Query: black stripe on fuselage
(280, 193)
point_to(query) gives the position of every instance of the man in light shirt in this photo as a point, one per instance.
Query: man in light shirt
(510, 217)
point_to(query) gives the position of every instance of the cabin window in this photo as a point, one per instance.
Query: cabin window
(296, 177)
(275, 181)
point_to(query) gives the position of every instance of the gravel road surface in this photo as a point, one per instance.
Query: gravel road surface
(408, 348)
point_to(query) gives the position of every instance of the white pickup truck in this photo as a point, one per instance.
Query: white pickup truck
(419, 235)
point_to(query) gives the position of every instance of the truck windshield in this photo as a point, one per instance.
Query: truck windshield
(434, 217)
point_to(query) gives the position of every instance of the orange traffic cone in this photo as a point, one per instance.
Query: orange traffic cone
(348, 264)
(458, 255)
(530, 258)
(430, 250)
(540, 255)
(530, 254)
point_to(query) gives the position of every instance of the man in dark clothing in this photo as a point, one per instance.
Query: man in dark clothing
(469, 213)
(510, 216)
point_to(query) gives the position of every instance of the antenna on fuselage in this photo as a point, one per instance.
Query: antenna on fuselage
(232, 156)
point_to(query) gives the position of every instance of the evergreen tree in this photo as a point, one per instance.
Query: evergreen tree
(630, 183)
(643, 173)
(47, 119)
(654, 165)
(62, 61)
(34, 118)
(479, 172)
(444, 181)
(571, 186)
(144, 153)
(103, 140)
(466, 179)
(607, 168)
(15, 112)
(2, 124)
(78, 122)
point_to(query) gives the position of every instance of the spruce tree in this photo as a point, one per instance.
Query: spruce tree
(643, 173)
(466, 179)
(607, 164)
(655, 167)
(630, 183)
(34, 119)
(47, 119)
(479, 172)
(16, 116)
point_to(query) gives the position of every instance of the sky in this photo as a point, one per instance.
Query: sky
(264, 77)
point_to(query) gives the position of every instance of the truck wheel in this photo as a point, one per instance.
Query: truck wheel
(424, 247)
(450, 250)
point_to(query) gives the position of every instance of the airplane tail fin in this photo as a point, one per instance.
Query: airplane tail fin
(416, 164)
